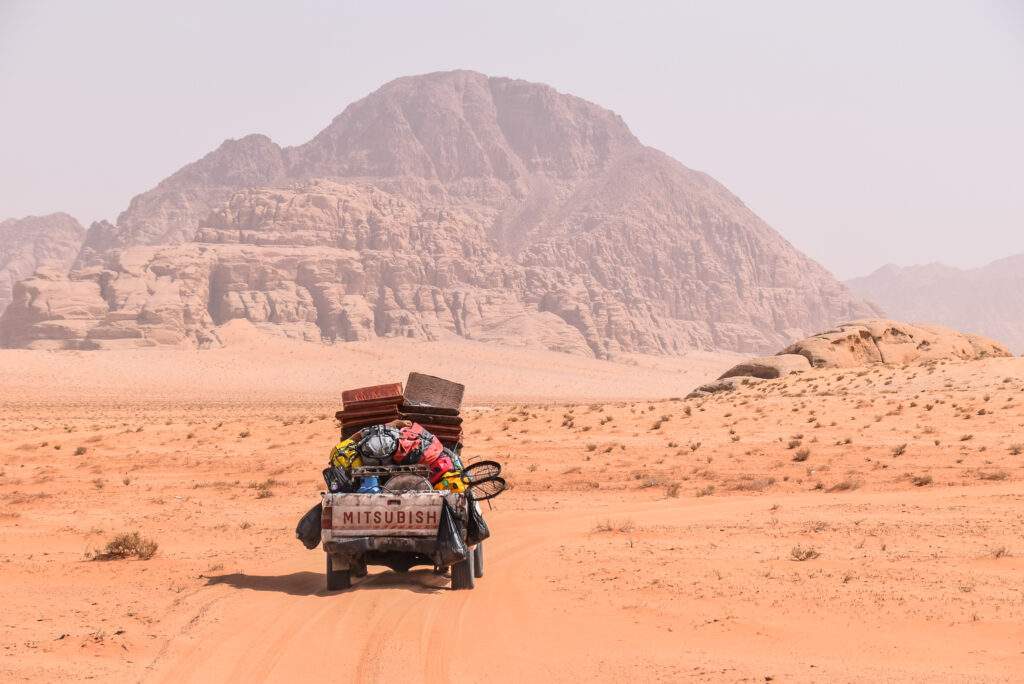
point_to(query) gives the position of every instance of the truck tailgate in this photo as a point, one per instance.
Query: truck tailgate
(410, 514)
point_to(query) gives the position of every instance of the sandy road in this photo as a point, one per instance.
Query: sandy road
(528, 621)
(284, 626)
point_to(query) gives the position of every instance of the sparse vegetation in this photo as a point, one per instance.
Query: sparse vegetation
(622, 526)
(799, 553)
(127, 545)
(801, 455)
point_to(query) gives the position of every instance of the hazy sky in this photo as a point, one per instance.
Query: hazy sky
(864, 132)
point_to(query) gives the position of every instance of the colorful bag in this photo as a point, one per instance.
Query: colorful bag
(416, 445)
(345, 456)
(439, 468)
(452, 481)
(378, 444)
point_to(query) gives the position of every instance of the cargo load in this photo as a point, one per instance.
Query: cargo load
(398, 493)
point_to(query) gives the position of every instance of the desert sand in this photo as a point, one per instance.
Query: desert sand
(835, 525)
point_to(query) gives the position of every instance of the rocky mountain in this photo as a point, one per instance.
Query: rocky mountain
(987, 300)
(49, 243)
(445, 204)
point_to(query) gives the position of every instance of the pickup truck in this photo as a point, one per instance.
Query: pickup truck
(395, 529)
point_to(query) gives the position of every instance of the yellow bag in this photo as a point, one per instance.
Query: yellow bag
(453, 481)
(344, 455)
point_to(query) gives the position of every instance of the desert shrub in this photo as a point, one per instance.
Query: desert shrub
(798, 553)
(749, 483)
(623, 526)
(993, 475)
(80, 451)
(921, 480)
(126, 545)
(899, 450)
(672, 490)
(801, 455)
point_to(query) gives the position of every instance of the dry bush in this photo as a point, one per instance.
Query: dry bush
(1016, 449)
(801, 455)
(672, 490)
(749, 483)
(899, 450)
(921, 480)
(80, 451)
(622, 526)
(1000, 552)
(706, 491)
(798, 553)
(844, 486)
(126, 545)
(993, 475)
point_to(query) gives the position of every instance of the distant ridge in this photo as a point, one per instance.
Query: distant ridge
(987, 301)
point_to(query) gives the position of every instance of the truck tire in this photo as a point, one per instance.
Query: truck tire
(337, 579)
(462, 574)
(478, 560)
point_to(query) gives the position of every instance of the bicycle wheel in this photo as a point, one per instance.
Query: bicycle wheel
(481, 470)
(486, 488)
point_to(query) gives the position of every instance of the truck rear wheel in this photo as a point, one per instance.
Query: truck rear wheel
(337, 579)
(478, 560)
(462, 574)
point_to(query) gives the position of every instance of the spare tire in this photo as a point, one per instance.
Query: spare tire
(407, 482)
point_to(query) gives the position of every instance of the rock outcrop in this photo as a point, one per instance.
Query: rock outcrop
(987, 300)
(47, 242)
(445, 204)
(856, 344)
(866, 342)
(768, 367)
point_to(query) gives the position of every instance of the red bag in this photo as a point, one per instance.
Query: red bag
(439, 467)
(416, 445)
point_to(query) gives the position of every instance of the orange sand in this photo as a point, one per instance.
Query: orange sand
(641, 540)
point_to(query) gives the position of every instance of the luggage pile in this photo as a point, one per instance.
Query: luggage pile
(397, 442)
(368, 406)
(434, 403)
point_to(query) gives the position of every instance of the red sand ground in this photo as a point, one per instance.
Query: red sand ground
(648, 540)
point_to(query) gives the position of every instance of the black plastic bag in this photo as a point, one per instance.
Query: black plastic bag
(338, 480)
(450, 547)
(308, 529)
(476, 528)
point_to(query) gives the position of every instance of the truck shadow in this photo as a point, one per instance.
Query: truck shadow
(312, 583)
